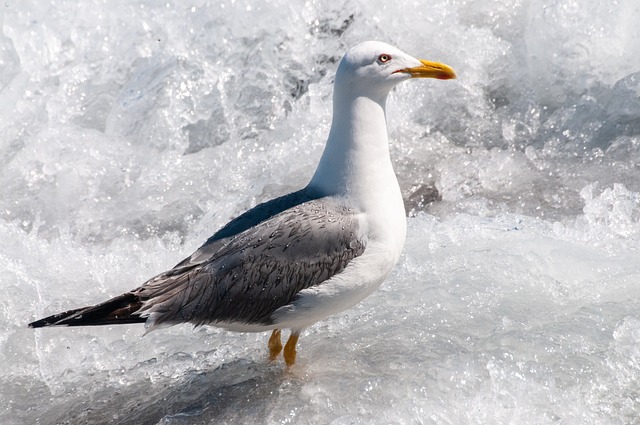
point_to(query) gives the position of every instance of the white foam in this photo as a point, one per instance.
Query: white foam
(130, 132)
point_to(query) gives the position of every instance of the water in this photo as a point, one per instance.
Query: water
(130, 131)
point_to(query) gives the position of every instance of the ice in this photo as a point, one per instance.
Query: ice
(130, 131)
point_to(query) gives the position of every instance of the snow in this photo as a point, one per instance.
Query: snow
(130, 131)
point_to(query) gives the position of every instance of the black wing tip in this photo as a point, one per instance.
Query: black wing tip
(52, 320)
(116, 311)
(77, 321)
(42, 323)
(39, 324)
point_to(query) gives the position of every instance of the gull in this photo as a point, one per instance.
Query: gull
(294, 260)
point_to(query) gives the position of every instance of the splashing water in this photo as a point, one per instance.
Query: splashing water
(131, 131)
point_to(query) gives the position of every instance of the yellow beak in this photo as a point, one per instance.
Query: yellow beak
(430, 70)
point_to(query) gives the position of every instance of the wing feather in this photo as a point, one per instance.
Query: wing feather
(245, 277)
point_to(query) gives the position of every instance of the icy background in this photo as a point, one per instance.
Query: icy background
(130, 131)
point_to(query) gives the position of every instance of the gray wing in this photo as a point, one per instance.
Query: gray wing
(245, 277)
(245, 221)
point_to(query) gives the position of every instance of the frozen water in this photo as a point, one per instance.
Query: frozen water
(130, 131)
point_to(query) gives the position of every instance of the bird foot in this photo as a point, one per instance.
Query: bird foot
(290, 349)
(275, 345)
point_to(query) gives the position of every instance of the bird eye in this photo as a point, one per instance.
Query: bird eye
(384, 58)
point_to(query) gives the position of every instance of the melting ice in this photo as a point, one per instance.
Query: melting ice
(130, 131)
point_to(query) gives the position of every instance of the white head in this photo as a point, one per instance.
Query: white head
(372, 69)
(356, 156)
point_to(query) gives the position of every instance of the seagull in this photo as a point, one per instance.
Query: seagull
(294, 260)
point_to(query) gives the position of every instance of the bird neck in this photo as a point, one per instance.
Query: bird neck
(356, 157)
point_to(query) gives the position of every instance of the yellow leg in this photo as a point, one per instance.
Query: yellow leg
(290, 349)
(275, 345)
